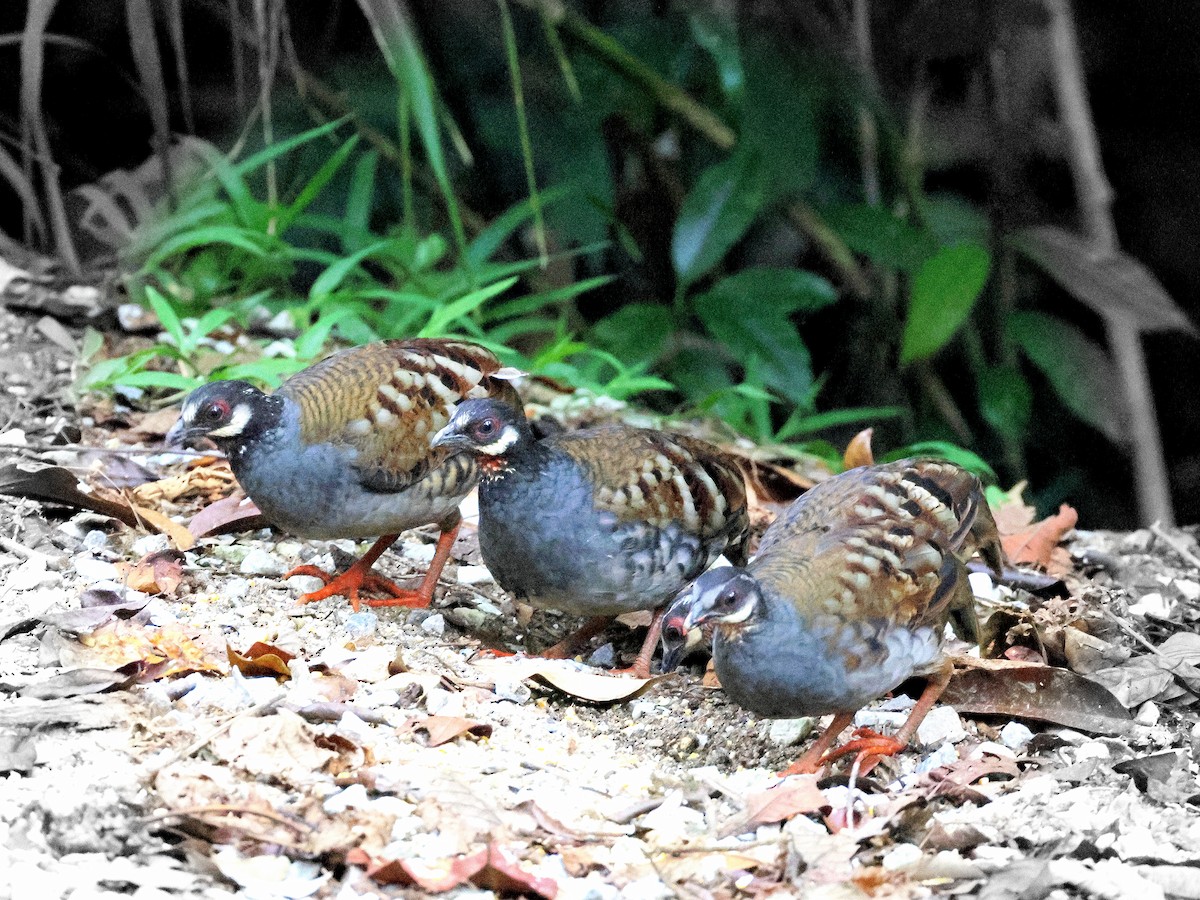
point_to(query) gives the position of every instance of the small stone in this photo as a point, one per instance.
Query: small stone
(14, 437)
(235, 589)
(1093, 750)
(474, 575)
(1153, 604)
(96, 540)
(32, 574)
(943, 756)
(1148, 713)
(151, 543)
(603, 657)
(941, 725)
(419, 553)
(1188, 588)
(902, 856)
(1015, 736)
(993, 749)
(361, 625)
(435, 625)
(91, 570)
(466, 618)
(513, 691)
(260, 562)
(786, 732)
(983, 587)
(305, 584)
(879, 718)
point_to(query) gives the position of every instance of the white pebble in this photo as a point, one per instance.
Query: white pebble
(942, 724)
(983, 587)
(235, 589)
(260, 562)
(305, 584)
(1188, 588)
(786, 732)
(14, 437)
(993, 749)
(1151, 605)
(90, 570)
(1015, 736)
(943, 756)
(32, 574)
(513, 691)
(147, 544)
(903, 856)
(474, 575)
(1148, 713)
(435, 624)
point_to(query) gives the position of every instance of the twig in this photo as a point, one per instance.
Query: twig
(200, 743)
(25, 552)
(1095, 201)
(1175, 544)
(1166, 662)
(867, 134)
(298, 827)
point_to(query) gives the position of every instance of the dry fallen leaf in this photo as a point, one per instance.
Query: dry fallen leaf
(155, 573)
(170, 649)
(493, 869)
(793, 796)
(1044, 693)
(77, 682)
(569, 677)
(261, 660)
(1037, 545)
(227, 515)
(443, 729)
(858, 451)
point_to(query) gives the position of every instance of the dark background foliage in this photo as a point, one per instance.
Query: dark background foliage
(961, 86)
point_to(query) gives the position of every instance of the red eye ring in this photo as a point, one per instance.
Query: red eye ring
(216, 410)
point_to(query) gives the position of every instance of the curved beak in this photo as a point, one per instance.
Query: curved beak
(450, 438)
(180, 435)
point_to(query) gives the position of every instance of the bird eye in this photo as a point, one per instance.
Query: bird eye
(729, 600)
(216, 411)
(485, 428)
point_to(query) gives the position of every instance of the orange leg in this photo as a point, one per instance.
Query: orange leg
(641, 665)
(423, 595)
(349, 583)
(814, 757)
(871, 747)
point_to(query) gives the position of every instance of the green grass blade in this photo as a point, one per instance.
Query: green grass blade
(462, 307)
(518, 92)
(316, 184)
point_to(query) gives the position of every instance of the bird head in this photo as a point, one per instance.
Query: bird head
(723, 597)
(485, 426)
(225, 411)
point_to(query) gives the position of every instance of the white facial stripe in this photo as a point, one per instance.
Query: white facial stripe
(238, 420)
(507, 438)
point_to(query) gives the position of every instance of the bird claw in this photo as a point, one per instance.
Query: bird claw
(870, 747)
(349, 583)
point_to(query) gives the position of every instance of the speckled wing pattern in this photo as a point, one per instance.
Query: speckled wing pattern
(883, 544)
(388, 399)
(662, 479)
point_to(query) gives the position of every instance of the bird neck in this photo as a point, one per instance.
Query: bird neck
(270, 411)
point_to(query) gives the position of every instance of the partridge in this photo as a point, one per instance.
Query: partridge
(601, 521)
(848, 596)
(344, 449)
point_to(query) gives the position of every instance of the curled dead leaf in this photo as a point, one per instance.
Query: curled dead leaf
(858, 451)
(229, 514)
(793, 796)
(261, 660)
(495, 868)
(1038, 544)
(155, 573)
(440, 730)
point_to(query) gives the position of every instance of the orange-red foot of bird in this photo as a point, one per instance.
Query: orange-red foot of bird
(814, 757)
(641, 665)
(870, 747)
(353, 581)
(569, 646)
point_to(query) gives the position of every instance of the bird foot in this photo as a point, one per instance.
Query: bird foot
(355, 580)
(870, 747)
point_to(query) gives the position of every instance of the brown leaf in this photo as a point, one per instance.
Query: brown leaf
(261, 660)
(55, 484)
(179, 535)
(154, 573)
(1036, 545)
(1043, 693)
(566, 676)
(228, 515)
(492, 869)
(793, 796)
(121, 642)
(858, 451)
(443, 729)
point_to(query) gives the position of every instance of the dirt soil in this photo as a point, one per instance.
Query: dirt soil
(381, 754)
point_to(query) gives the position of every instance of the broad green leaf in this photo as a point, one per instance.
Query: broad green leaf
(764, 292)
(167, 316)
(771, 342)
(1078, 369)
(152, 378)
(635, 332)
(354, 228)
(953, 220)
(715, 215)
(715, 29)
(944, 291)
(882, 237)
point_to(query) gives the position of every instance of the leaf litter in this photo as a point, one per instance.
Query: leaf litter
(297, 766)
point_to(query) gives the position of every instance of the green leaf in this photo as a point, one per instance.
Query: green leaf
(880, 236)
(152, 378)
(488, 241)
(463, 306)
(329, 280)
(1078, 369)
(316, 184)
(533, 302)
(166, 316)
(944, 291)
(715, 29)
(972, 462)
(1005, 402)
(800, 423)
(201, 237)
(715, 215)
(953, 220)
(354, 228)
(635, 332)
(774, 293)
